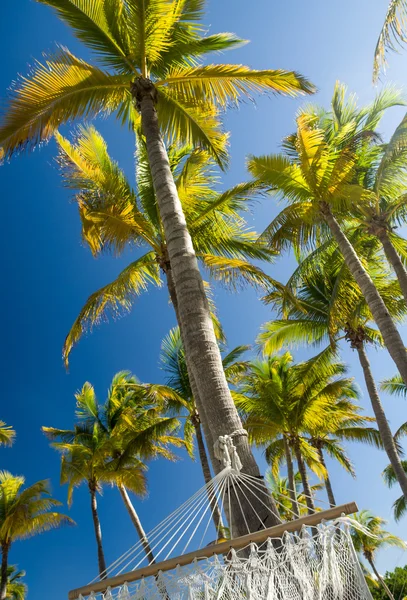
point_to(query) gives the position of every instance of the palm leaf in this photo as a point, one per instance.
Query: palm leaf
(115, 298)
(61, 89)
(392, 35)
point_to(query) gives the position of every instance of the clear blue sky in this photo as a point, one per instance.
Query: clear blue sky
(47, 273)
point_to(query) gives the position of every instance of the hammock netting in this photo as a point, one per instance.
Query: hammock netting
(309, 563)
(322, 566)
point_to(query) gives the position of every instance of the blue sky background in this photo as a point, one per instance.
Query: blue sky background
(48, 274)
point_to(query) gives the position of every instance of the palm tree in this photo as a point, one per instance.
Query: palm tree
(16, 589)
(316, 175)
(136, 431)
(370, 538)
(106, 203)
(151, 52)
(328, 307)
(114, 217)
(392, 35)
(389, 476)
(109, 445)
(285, 404)
(23, 514)
(281, 491)
(7, 434)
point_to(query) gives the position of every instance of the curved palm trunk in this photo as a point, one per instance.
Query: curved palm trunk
(327, 480)
(385, 323)
(304, 478)
(4, 566)
(137, 523)
(216, 407)
(394, 260)
(382, 423)
(380, 579)
(291, 479)
(98, 532)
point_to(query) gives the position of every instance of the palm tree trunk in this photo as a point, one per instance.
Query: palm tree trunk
(4, 566)
(382, 423)
(394, 260)
(385, 323)
(304, 478)
(98, 532)
(194, 387)
(137, 523)
(291, 479)
(328, 485)
(216, 407)
(380, 579)
(216, 514)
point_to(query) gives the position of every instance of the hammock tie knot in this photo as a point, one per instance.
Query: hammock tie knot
(226, 452)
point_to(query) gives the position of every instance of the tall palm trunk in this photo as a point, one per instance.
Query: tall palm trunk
(98, 531)
(385, 323)
(382, 423)
(137, 523)
(380, 578)
(216, 407)
(4, 575)
(327, 480)
(291, 479)
(394, 260)
(304, 478)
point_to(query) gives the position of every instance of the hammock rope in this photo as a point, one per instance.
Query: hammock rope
(304, 559)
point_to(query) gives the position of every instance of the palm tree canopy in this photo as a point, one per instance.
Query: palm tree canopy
(322, 305)
(163, 40)
(301, 402)
(115, 216)
(25, 512)
(389, 476)
(321, 166)
(110, 443)
(392, 36)
(7, 434)
(16, 589)
(376, 537)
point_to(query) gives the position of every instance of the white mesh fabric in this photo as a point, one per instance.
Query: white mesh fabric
(317, 564)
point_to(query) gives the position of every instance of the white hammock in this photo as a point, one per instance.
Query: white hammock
(305, 559)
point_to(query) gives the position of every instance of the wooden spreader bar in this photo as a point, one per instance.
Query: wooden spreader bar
(257, 537)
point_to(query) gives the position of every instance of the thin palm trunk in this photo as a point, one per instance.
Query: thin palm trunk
(137, 523)
(380, 579)
(385, 323)
(216, 407)
(98, 532)
(394, 260)
(304, 478)
(4, 575)
(382, 423)
(291, 480)
(327, 480)
(216, 513)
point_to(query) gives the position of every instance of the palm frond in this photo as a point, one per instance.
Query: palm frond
(61, 89)
(392, 35)
(115, 298)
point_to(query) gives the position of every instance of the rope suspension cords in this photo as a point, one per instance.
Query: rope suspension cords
(188, 558)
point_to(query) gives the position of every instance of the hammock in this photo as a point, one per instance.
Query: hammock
(310, 558)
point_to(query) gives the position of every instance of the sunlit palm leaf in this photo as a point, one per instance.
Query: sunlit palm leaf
(114, 298)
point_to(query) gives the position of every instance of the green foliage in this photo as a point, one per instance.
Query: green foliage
(396, 581)
(25, 512)
(114, 217)
(160, 39)
(16, 588)
(111, 442)
(372, 537)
